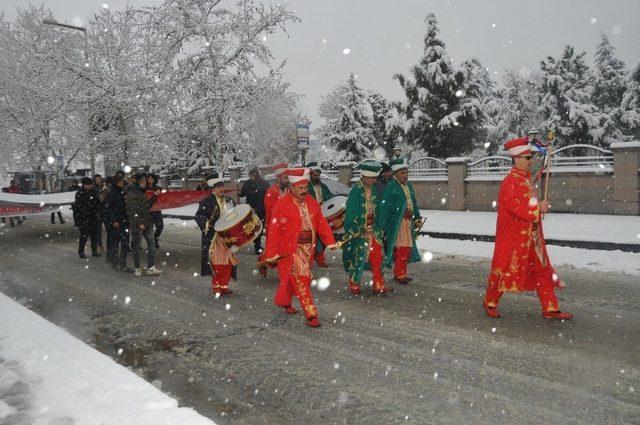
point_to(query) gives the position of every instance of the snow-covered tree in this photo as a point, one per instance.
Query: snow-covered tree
(382, 113)
(517, 112)
(443, 114)
(348, 121)
(566, 102)
(630, 106)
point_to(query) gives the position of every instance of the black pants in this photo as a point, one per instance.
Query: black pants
(257, 243)
(205, 262)
(158, 222)
(88, 231)
(118, 244)
(108, 228)
(99, 230)
(53, 217)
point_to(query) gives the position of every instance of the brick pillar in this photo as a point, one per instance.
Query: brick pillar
(626, 182)
(345, 172)
(457, 172)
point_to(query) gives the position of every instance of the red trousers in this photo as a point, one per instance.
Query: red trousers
(544, 288)
(401, 257)
(375, 262)
(300, 286)
(221, 276)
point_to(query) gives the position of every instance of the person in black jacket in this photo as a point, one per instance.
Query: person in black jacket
(141, 224)
(254, 190)
(117, 221)
(87, 205)
(158, 221)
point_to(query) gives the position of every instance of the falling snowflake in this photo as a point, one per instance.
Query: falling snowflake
(493, 330)
(120, 351)
(323, 283)
(494, 204)
(346, 51)
(427, 257)
(127, 300)
(227, 306)
(105, 6)
(443, 201)
(50, 160)
(336, 366)
(459, 93)
(593, 20)
(126, 169)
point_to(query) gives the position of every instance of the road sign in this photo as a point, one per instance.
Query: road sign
(303, 136)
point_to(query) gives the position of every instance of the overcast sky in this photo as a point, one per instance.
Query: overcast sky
(386, 36)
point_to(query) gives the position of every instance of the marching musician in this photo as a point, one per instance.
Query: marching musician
(362, 247)
(295, 226)
(275, 192)
(209, 211)
(520, 260)
(399, 218)
(320, 192)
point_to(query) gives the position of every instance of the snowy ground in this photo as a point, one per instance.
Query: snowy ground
(49, 377)
(424, 354)
(601, 228)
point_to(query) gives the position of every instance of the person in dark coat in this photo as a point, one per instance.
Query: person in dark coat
(141, 224)
(74, 211)
(87, 207)
(117, 221)
(385, 175)
(208, 213)
(158, 221)
(254, 190)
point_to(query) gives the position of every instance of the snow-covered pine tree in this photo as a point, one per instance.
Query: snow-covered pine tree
(566, 102)
(348, 117)
(517, 108)
(609, 81)
(630, 107)
(480, 100)
(382, 113)
(441, 117)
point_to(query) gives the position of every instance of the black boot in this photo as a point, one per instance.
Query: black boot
(81, 255)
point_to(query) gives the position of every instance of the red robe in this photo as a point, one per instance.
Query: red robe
(520, 255)
(285, 229)
(271, 196)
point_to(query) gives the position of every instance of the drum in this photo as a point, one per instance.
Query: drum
(334, 210)
(238, 227)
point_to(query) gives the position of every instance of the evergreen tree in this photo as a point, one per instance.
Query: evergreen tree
(630, 107)
(382, 113)
(566, 102)
(517, 108)
(443, 114)
(348, 116)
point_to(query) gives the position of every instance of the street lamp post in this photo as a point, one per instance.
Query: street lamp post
(86, 58)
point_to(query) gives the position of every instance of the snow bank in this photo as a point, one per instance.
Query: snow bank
(59, 379)
(591, 259)
(578, 227)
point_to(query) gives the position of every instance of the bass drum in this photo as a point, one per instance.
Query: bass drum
(334, 210)
(238, 227)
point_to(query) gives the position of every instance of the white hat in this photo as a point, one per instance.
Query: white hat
(399, 164)
(298, 175)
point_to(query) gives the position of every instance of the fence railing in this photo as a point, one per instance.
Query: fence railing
(489, 166)
(427, 167)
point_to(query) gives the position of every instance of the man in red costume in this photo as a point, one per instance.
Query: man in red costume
(520, 259)
(296, 223)
(275, 192)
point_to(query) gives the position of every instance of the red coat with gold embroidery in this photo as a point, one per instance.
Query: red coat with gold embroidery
(285, 229)
(520, 249)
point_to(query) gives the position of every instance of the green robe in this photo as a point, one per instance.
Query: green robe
(326, 193)
(390, 213)
(355, 253)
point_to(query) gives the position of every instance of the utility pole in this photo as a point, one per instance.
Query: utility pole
(86, 58)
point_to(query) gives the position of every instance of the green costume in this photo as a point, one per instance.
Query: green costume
(390, 213)
(324, 190)
(355, 253)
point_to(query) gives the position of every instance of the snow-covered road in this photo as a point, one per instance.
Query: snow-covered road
(425, 354)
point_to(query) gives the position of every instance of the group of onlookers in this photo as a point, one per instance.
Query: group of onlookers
(123, 208)
(13, 188)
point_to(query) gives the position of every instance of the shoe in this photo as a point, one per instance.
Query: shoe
(402, 280)
(354, 288)
(313, 322)
(62, 222)
(290, 309)
(383, 290)
(153, 271)
(125, 269)
(491, 311)
(138, 271)
(263, 271)
(81, 255)
(557, 315)
(225, 291)
(157, 244)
